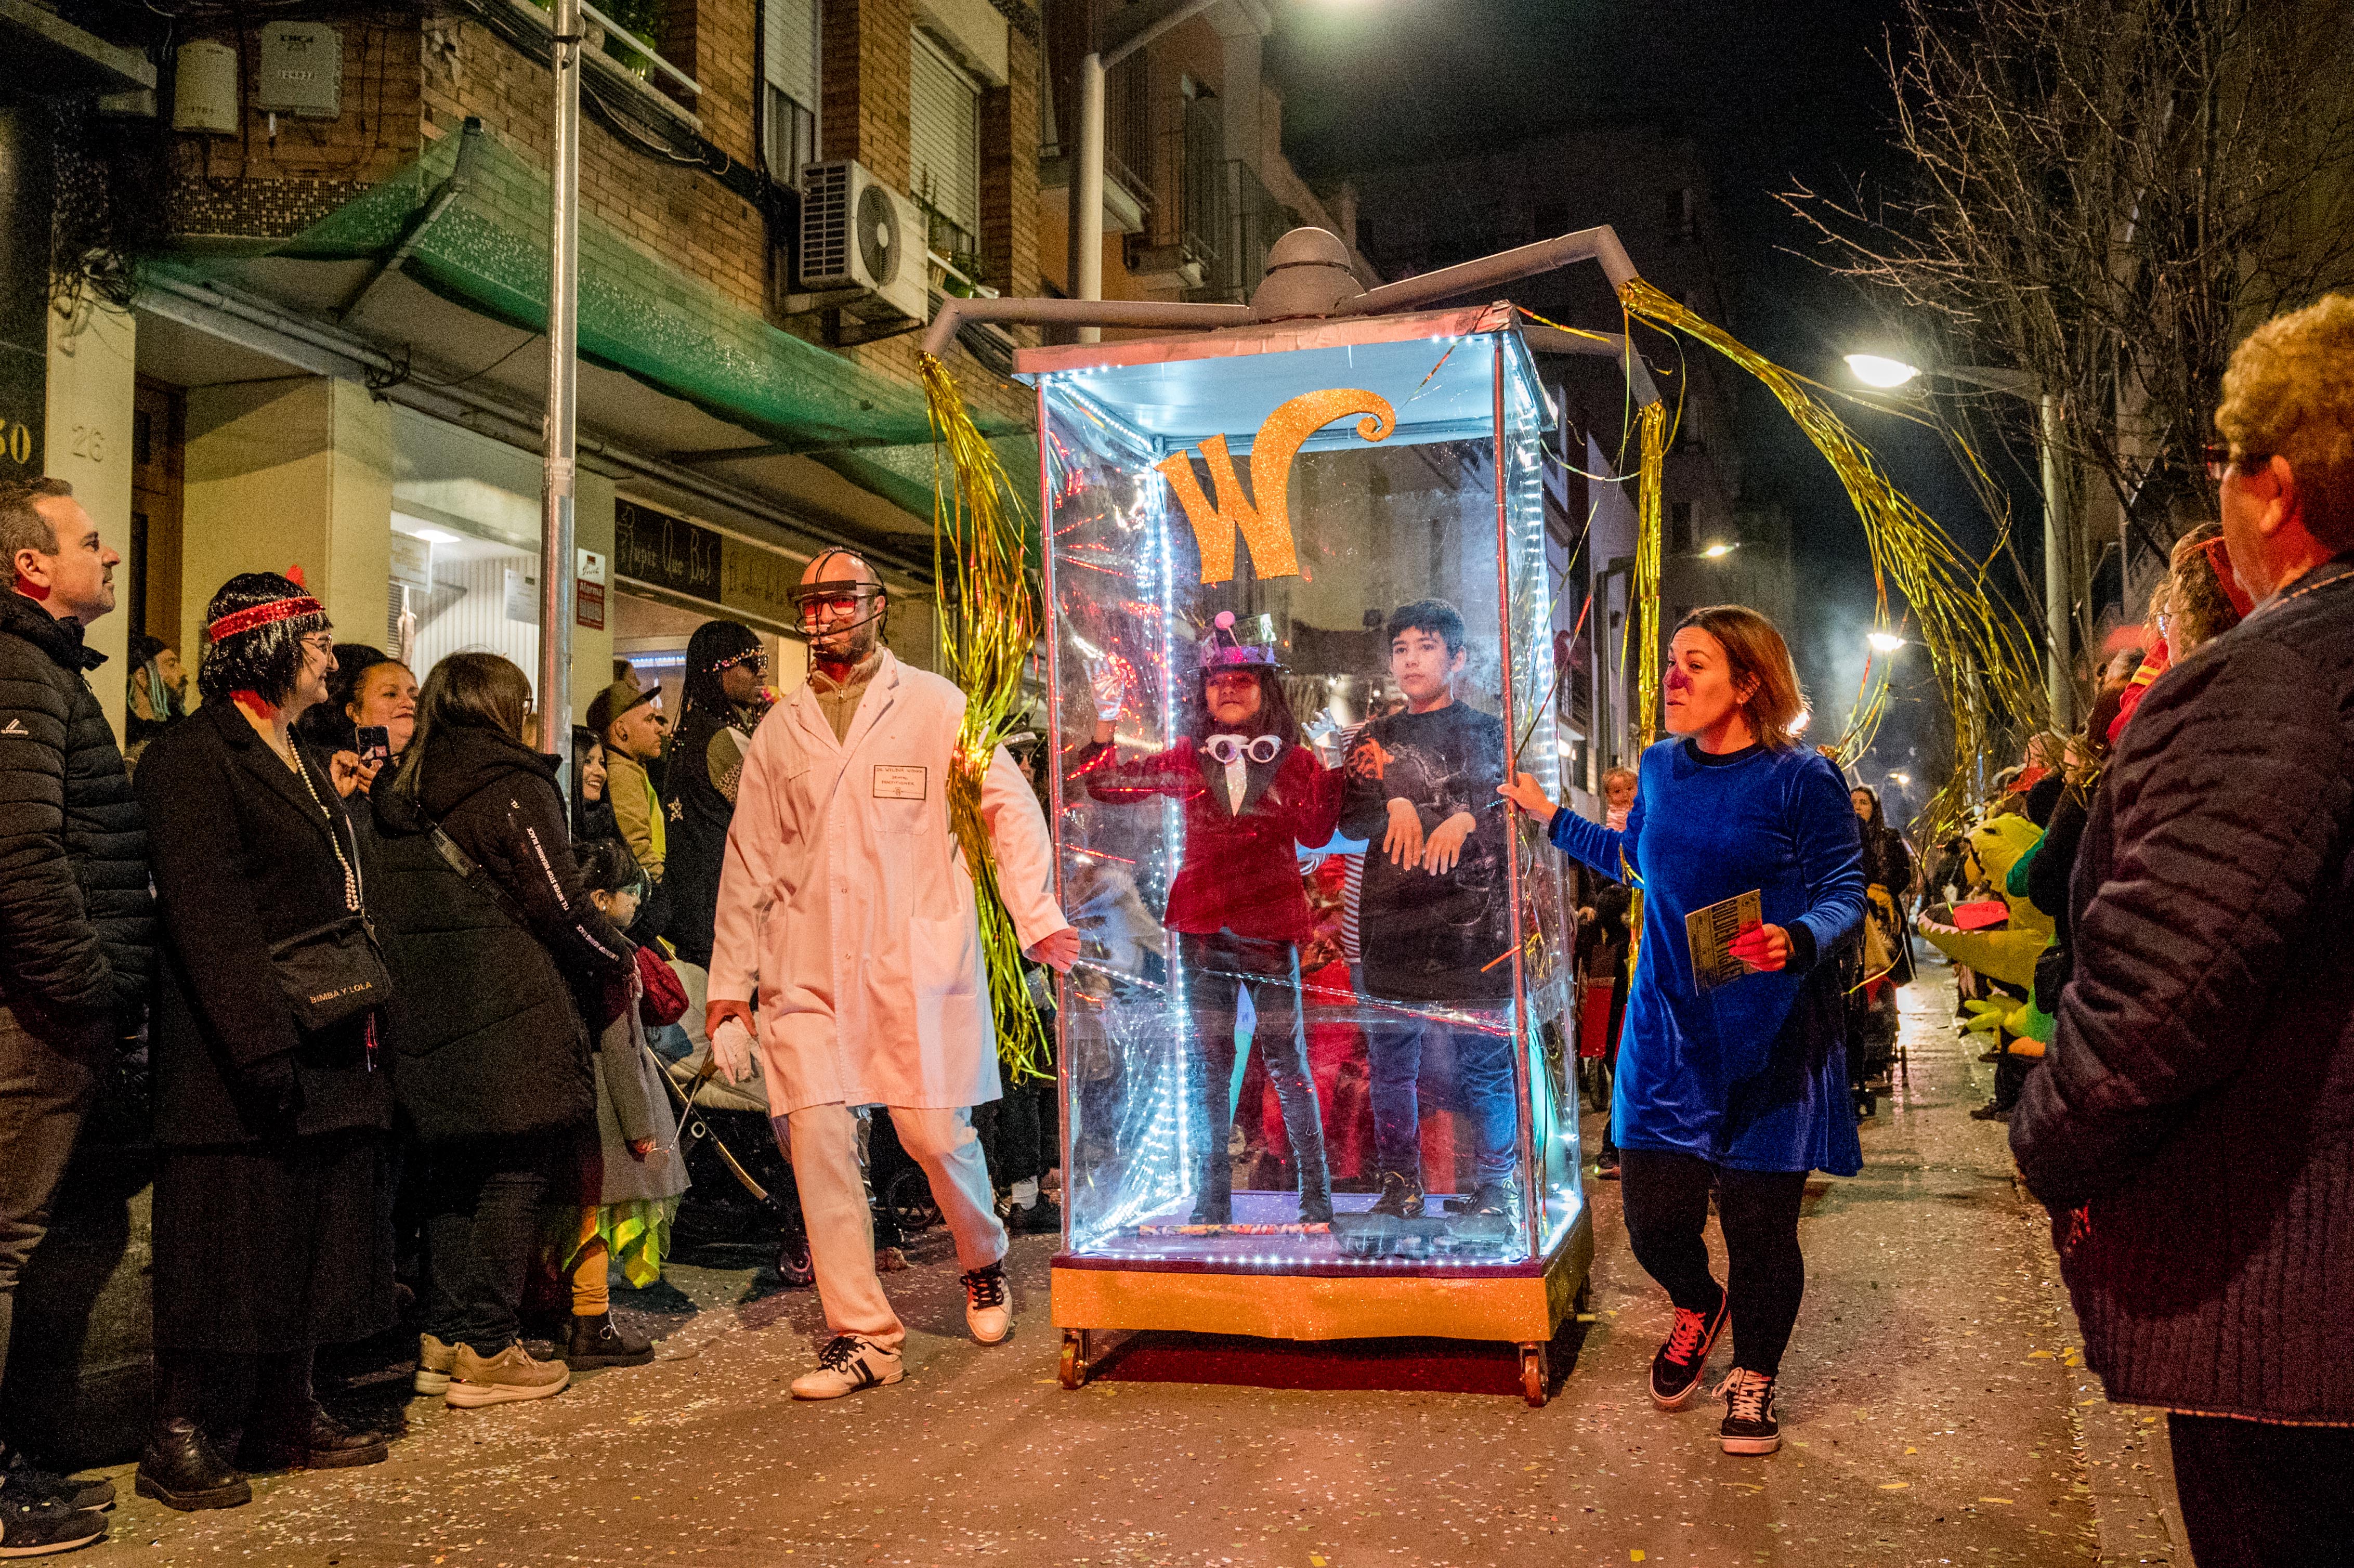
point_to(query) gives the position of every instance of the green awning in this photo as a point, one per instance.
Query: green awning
(488, 251)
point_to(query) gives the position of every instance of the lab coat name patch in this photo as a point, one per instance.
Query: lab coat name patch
(893, 782)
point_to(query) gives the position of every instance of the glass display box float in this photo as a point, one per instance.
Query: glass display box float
(1301, 629)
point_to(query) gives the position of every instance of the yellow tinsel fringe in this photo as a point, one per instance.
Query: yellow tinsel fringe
(1651, 466)
(988, 617)
(1982, 652)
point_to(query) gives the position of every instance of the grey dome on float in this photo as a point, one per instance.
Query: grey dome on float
(1308, 275)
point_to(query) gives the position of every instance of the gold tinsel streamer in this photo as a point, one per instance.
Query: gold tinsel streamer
(1983, 654)
(1651, 464)
(988, 616)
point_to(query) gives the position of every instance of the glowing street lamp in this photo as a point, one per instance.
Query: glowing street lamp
(1876, 370)
(1901, 778)
(1718, 551)
(1884, 642)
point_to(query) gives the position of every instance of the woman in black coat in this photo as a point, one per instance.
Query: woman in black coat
(271, 1135)
(493, 947)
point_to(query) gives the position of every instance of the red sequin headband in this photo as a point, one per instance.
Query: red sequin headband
(262, 615)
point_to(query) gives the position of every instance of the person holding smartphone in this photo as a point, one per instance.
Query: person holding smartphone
(1740, 1086)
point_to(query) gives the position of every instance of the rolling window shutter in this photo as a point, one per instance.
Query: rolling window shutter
(944, 128)
(789, 49)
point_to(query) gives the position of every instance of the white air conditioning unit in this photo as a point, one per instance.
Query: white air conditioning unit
(859, 233)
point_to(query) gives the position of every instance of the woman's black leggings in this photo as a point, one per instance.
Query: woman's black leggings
(1666, 1213)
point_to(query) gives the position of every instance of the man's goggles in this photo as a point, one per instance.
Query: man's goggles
(843, 599)
(1230, 749)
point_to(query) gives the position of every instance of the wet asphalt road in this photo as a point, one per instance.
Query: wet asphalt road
(1932, 1406)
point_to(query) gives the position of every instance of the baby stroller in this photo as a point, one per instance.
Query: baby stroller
(740, 1191)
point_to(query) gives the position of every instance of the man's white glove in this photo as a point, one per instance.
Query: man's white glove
(731, 1047)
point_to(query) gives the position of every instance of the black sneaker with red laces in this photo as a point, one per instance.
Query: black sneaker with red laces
(1676, 1370)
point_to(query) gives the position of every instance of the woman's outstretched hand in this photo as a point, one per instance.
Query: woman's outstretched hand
(1525, 792)
(1762, 947)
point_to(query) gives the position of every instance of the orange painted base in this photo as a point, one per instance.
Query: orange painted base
(1523, 1309)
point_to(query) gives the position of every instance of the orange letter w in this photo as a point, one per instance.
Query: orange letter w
(1266, 527)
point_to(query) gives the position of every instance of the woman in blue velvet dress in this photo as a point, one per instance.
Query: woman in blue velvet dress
(1741, 1086)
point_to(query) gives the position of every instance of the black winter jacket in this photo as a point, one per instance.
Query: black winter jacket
(2193, 1129)
(77, 922)
(245, 857)
(487, 1021)
(700, 811)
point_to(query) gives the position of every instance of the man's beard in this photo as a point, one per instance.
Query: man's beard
(847, 648)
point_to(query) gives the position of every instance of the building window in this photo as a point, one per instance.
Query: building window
(789, 63)
(1679, 213)
(944, 137)
(1679, 527)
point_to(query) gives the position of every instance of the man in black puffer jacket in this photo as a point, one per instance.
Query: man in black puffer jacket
(77, 922)
(2193, 1131)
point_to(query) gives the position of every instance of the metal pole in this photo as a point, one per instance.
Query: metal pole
(1087, 193)
(560, 469)
(2059, 680)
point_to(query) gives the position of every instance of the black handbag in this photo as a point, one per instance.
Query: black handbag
(332, 973)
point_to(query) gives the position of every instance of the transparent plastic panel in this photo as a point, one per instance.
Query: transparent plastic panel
(1547, 930)
(1282, 626)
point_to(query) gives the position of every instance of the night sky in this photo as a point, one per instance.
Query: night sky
(1772, 93)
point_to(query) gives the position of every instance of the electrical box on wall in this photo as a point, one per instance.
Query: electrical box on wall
(204, 89)
(302, 70)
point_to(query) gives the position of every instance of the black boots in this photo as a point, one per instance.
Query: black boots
(291, 1432)
(600, 1341)
(183, 1467)
(179, 1469)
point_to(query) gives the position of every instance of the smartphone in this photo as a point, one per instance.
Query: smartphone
(374, 745)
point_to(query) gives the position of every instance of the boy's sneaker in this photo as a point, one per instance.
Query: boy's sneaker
(36, 1526)
(1401, 1197)
(1749, 1425)
(988, 1306)
(434, 1360)
(1676, 1370)
(1605, 1165)
(851, 1362)
(510, 1376)
(1494, 1200)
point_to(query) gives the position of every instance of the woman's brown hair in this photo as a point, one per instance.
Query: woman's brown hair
(1758, 655)
(465, 691)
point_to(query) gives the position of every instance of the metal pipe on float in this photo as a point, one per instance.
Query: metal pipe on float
(1141, 313)
(1599, 243)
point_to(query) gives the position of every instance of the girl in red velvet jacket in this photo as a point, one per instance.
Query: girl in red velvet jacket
(1253, 795)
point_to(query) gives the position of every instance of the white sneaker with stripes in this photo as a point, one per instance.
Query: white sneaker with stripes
(851, 1362)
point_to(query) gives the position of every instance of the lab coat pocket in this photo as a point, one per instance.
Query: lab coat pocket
(946, 958)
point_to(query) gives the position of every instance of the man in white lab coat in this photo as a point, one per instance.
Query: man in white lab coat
(847, 918)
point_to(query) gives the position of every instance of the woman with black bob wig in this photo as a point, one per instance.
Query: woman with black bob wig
(497, 968)
(272, 1108)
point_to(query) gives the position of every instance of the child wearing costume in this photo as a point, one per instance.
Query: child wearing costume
(1251, 796)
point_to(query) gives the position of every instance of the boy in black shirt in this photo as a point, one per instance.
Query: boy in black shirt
(1433, 918)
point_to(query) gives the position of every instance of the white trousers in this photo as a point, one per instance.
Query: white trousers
(821, 1141)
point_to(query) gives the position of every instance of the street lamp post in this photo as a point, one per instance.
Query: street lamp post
(2060, 686)
(1123, 36)
(559, 465)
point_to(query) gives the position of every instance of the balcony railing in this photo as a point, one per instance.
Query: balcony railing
(1244, 222)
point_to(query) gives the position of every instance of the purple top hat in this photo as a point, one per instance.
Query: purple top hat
(1224, 647)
